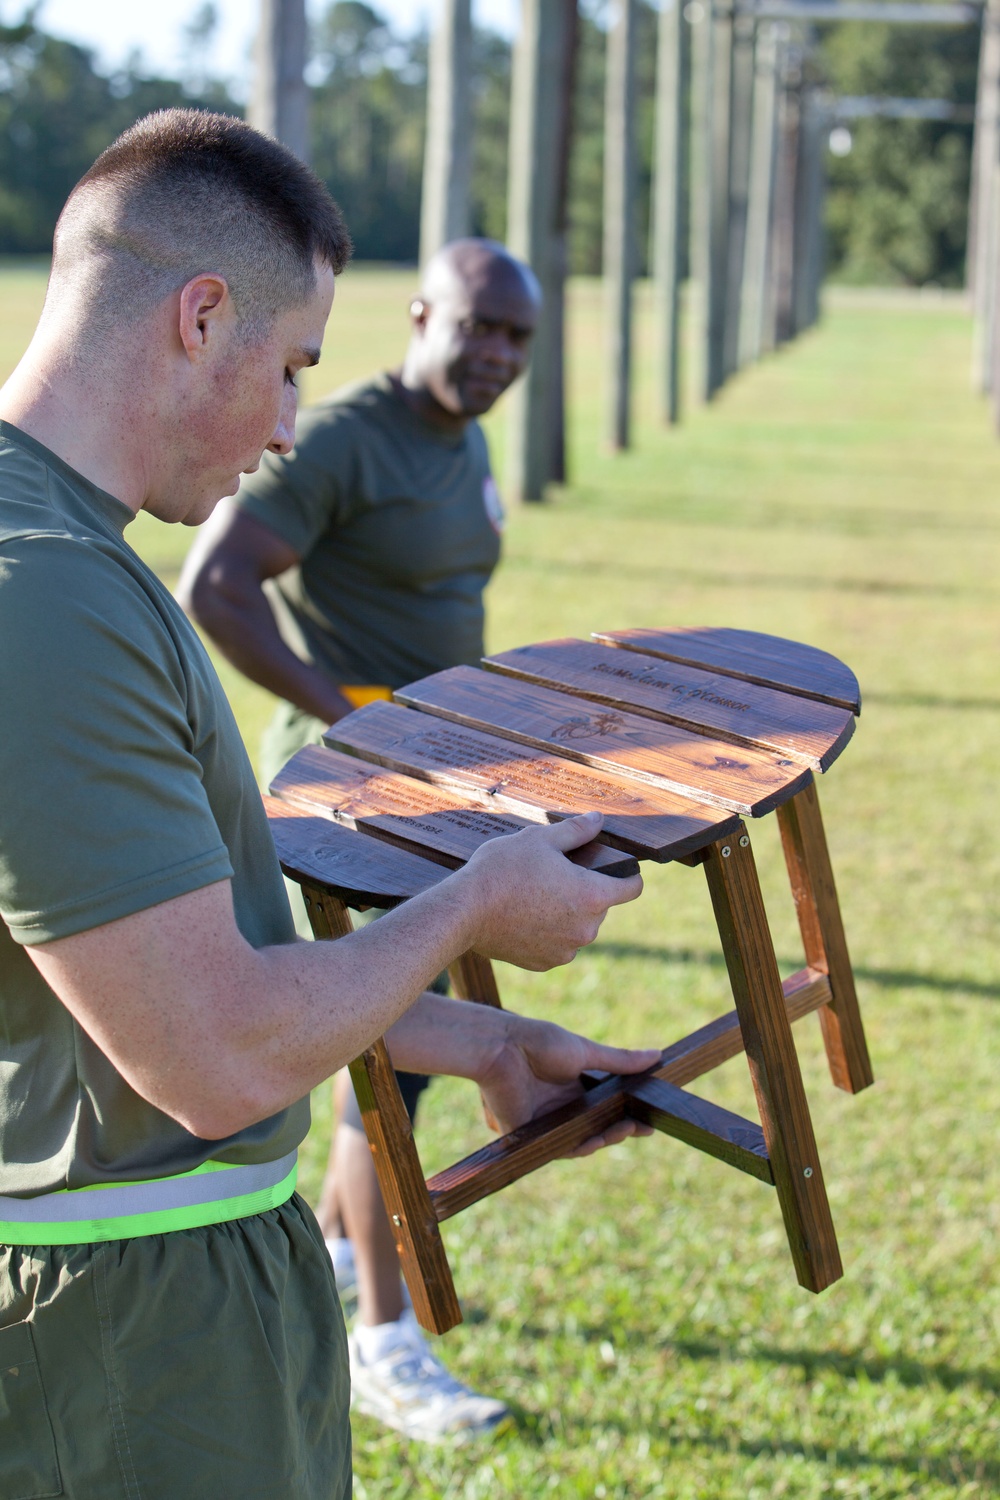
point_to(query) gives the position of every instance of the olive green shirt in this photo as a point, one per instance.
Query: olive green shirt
(123, 783)
(398, 530)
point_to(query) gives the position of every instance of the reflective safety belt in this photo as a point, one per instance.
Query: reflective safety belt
(213, 1193)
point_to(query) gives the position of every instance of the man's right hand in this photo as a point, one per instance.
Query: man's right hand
(530, 905)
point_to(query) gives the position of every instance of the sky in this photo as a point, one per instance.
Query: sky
(115, 28)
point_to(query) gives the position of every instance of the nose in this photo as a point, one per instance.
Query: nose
(284, 433)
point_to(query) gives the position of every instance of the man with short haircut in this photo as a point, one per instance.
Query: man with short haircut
(168, 1320)
(346, 569)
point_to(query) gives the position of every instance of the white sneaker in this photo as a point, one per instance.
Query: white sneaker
(408, 1388)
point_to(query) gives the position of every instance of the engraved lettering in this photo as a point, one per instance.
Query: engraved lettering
(645, 679)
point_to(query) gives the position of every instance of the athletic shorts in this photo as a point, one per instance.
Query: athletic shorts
(203, 1364)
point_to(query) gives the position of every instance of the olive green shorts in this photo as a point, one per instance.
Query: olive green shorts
(204, 1364)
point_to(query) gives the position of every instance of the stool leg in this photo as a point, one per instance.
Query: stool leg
(390, 1135)
(774, 1064)
(815, 894)
(472, 978)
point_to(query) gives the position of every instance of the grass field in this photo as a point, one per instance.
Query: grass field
(639, 1310)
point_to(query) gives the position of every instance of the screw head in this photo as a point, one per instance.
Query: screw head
(744, 840)
(398, 1221)
(807, 1171)
(726, 851)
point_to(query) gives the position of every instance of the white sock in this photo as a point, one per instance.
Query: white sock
(376, 1342)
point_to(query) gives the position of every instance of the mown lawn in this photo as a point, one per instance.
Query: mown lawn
(639, 1310)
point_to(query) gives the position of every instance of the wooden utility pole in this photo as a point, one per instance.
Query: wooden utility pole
(760, 195)
(670, 154)
(783, 228)
(444, 206)
(712, 86)
(739, 184)
(279, 103)
(540, 117)
(619, 214)
(983, 207)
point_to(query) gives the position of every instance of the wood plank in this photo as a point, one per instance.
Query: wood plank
(361, 871)
(390, 1135)
(774, 1065)
(815, 893)
(799, 729)
(524, 1150)
(410, 814)
(472, 978)
(701, 1124)
(751, 782)
(642, 820)
(767, 660)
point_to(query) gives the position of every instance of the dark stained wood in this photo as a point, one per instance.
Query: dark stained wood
(524, 1150)
(799, 729)
(701, 1124)
(815, 893)
(750, 782)
(400, 1176)
(774, 1065)
(643, 820)
(765, 659)
(472, 978)
(722, 1039)
(359, 870)
(400, 810)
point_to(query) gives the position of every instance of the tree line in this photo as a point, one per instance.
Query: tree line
(896, 205)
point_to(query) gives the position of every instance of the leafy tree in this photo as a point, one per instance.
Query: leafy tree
(897, 205)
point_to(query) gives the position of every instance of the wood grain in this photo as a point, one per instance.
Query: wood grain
(774, 1065)
(359, 870)
(765, 659)
(410, 814)
(750, 781)
(524, 1150)
(799, 729)
(815, 893)
(397, 1165)
(701, 1124)
(642, 820)
(472, 978)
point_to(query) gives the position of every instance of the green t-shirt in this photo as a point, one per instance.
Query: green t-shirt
(123, 783)
(397, 528)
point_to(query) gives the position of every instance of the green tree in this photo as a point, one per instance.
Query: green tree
(897, 206)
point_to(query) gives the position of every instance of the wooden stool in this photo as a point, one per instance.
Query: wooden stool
(676, 736)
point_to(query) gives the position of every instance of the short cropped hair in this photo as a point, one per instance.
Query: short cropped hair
(184, 192)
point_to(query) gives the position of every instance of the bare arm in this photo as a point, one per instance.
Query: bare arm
(219, 1034)
(221, 587)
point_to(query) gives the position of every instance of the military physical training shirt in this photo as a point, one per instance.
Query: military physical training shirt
(398, 530)
(123, 783)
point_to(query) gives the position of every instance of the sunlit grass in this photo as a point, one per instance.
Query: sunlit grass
(639, 1310)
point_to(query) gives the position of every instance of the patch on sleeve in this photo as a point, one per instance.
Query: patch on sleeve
(493, 504)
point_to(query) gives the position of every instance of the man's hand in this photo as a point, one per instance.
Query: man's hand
(529, 905)
(536, 1068)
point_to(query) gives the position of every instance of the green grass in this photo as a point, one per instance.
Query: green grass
(639, 1310)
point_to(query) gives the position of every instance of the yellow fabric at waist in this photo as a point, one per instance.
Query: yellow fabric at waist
(357, 697)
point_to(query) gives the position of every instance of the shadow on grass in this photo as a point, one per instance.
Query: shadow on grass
(800, 582)
(908, 1372)
(929, 700)
(886, 978)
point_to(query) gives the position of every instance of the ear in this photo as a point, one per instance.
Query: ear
(419, 311)
(204, 307)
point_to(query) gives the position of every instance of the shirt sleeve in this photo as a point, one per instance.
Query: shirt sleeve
(314, 488)
(103, 811)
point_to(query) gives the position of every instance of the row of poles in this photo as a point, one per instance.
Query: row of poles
(738, 187)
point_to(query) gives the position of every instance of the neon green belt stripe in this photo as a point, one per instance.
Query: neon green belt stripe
(265, 1185)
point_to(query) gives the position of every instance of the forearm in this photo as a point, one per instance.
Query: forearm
(245, 631)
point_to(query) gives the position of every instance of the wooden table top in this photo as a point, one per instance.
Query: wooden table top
(674, 735)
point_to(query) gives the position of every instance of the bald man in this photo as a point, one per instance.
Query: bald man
(376, 538)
